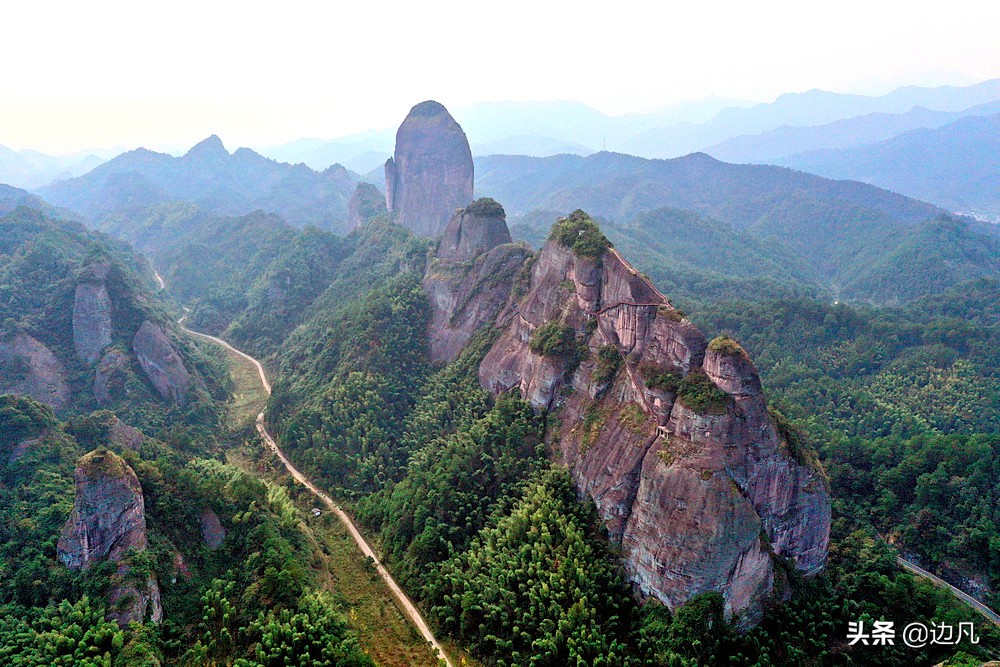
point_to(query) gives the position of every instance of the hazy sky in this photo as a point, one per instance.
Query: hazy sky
(109, 73)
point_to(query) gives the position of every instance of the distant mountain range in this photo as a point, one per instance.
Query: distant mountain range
(215, 180)
(776, 146)
(705, 226)
(956, 166)
(541, 129)
(31, 169)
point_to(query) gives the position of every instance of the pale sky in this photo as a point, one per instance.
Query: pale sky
(106, 73)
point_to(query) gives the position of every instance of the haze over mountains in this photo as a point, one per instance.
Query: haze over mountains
(956, 166)
(548, 128)
(213, 179)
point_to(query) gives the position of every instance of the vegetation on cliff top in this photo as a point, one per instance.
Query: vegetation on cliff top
(580, 233)
(486, 207)
(727, 347)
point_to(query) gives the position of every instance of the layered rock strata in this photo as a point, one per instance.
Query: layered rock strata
(670, 436)
(431, 171)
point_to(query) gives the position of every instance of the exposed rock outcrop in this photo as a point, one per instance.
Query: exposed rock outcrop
(108, 521)
(92, 323)
(29, 368)
(431, 171)
(473, 230)
(161, 363)
(365, 203)
(111, 376)
(470, 277)
(671, 437)
(212, 529)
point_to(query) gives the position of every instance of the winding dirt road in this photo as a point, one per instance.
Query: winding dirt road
(405, 604)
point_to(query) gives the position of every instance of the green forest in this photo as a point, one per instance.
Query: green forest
(456, 485)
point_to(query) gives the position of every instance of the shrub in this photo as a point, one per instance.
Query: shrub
(659, 378)
(486, 207)
(556, 341)
(697, 392)
(633, 418)
(581, 234)
(608, 362)
(726, 346)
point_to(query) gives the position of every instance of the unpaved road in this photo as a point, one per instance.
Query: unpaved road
(961, 595)
(404, 601)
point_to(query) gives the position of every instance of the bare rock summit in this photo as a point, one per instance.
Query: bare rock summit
(431, 172)
(470, 277)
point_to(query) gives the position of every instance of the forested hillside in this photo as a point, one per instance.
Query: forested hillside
(72, 305)
(242, 591)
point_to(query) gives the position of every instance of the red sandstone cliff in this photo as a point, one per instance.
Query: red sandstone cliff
(671, 437)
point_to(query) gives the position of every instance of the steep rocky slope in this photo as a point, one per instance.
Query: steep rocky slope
(161, 363)
(431, 171)
(671, 437)
(108, 522)
(470, 277)
(30, 368)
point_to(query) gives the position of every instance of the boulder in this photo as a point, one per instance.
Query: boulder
(111, 375)
(212, 529)
(431, 171)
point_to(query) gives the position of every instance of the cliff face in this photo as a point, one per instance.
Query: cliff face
(29, 368)
(92, 326)
(470, 277)
(108, 520)
(161, 363)
(431, 171)
(671, 437)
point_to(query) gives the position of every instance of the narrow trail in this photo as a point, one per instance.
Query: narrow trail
(405, 604)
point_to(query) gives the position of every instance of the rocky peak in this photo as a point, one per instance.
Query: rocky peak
(108, 516)
(210, 148)
(473, 230)
(669, 435)
(431, 171)
(470, 277)
(365, 203)
(108, 521)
